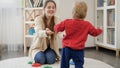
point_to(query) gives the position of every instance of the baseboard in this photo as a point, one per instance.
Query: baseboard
(90, 47)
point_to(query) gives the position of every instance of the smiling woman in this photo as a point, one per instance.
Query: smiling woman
(45, 47)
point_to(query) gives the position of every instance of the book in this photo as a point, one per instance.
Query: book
(100, 3)
(32, 3)
(36, 2)
(40, 4)
(111, 2)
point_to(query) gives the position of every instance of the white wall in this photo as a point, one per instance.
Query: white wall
(64, 11)
(11, 24)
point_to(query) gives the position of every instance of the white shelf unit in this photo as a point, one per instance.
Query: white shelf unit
(32, 9)
(108, 17)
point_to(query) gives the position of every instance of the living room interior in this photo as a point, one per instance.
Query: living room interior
(15, 43)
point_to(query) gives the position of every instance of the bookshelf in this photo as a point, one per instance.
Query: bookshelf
(32, 9)
(108, 17)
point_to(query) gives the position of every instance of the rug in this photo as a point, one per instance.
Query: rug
(22, 62)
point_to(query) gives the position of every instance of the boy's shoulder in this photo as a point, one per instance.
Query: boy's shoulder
(86, 21)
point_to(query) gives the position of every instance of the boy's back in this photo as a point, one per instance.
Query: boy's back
(76, 32)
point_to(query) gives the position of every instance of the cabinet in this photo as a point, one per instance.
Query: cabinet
(108, 17)
(32, 9)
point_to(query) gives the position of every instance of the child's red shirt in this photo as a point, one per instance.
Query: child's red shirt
(76, 32)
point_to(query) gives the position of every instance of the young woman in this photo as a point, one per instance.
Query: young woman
(44, 48)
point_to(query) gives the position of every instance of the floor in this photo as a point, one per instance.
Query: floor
(104, 55)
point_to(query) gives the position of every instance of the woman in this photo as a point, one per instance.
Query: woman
(44, 49)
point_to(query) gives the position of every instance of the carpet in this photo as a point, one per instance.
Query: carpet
(22, 62)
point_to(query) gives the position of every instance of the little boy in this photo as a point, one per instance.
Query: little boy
(76, 33)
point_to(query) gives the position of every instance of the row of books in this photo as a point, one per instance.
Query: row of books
(100, 3)
(111, 36)
(33, 3)
(100, 18)
(111, 17)
(111, 2)
(100, 24)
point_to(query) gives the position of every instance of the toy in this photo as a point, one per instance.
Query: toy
(36, 65)
(30, 62)
(31, 30)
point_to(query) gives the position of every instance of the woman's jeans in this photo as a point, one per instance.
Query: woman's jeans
(47, 57)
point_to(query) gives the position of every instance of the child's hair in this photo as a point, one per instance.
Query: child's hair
(80, 10)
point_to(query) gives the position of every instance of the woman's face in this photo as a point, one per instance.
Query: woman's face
(50, 9)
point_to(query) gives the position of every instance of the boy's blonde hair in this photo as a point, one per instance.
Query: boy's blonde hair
(80, 10)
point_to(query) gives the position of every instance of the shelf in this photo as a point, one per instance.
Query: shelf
(108, 16)
(39, 8)
(111, 27)
(32, 9)
(110, 7)
(30, 22)
(29, 36)
(100, 8)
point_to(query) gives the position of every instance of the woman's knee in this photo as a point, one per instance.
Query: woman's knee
(50, 57)
(40, 58)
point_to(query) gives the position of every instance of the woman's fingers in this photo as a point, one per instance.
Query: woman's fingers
(48, 31)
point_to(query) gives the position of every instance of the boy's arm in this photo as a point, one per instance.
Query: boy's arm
(93, 31)
(59, 27)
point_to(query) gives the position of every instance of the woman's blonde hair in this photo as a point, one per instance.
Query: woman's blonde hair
(80, 10)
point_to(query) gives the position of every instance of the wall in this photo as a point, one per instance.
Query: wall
(64, 11)
(11, 24)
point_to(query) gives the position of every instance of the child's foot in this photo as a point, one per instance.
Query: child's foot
(72, 63)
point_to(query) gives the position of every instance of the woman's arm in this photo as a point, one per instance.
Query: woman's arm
(39, 27)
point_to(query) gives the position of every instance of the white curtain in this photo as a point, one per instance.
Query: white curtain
(11, 24)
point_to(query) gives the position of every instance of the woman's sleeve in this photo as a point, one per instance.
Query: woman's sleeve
(38, 28)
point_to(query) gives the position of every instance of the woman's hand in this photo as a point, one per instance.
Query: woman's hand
(49, 32)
